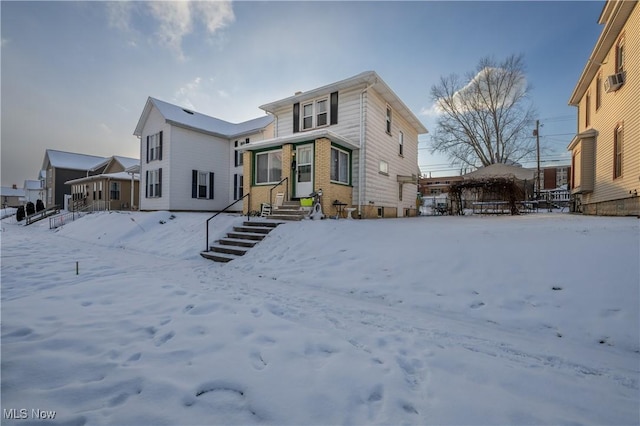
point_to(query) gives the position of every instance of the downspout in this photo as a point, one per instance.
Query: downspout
(362, 149)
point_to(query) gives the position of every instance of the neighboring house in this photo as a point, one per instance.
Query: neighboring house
(605, 169)
(110, 188)
(12, 196)
(555, 177)
(354, 139)
(437, 185)
(59, 167)
(188, 161)
(33, 191)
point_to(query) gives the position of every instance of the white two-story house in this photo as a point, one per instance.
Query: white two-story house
(353, 139)
(188, 161)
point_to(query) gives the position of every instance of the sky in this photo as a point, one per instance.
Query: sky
(76, 75)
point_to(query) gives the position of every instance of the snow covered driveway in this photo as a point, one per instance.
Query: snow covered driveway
(434, 320)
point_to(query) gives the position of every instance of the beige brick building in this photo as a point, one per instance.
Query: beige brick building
(605, 169)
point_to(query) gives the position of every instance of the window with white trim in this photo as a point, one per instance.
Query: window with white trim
(202, 184)
(153, 183)
(620, 55)
(114, 191)
(617, 152)
(340, 165)
(315, 114)
(268, 167)
(154, 147)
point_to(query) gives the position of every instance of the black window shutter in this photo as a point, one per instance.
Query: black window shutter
(235, 186)
(194, 184)
(334, 108)
(160, 147)
(235, 155)
(241, 187)
(296, 117)
(211, 185)
(147, 149)
(146, 185)
(159, 194)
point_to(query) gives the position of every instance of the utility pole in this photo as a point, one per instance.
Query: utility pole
(536, 133)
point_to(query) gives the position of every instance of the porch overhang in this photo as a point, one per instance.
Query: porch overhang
(300, 137)
(408, 179)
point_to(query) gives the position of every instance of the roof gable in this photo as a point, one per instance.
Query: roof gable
(194, 120)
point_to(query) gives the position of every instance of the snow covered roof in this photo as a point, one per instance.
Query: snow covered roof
(501, 170)
(194, 120)
(126, 161)
(71, 160)
(7, 191)
(33, 184)
(299, 137)
(111, 176)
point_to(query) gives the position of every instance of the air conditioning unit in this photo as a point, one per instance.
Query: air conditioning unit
(614, 82)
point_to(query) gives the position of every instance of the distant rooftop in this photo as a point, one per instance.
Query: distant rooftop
(72, 160)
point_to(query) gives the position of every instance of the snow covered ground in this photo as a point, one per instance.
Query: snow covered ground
(430, 320)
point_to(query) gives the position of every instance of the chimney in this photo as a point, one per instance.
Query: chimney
(298, 93)
(14, 186)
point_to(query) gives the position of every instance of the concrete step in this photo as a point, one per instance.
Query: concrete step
(262, 223)
(218, 257)
(253, 229)
(287, 217)
(246, 236)
(238, 251)
(237, 243)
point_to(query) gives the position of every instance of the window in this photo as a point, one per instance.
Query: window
(617, 152)
(114, 191)
(154, 183)
(587, 111)
(400, 191)
(321, 113)
(388, 119)
(383, 167)
(316, 113)
(268, 167)
(238, 161)
(339, 165)
(307, 116)
(620, 55)
(202, 184)
(401, 144)
(154, 147)
(238, 183)
(598, 91)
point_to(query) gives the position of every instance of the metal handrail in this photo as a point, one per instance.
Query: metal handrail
(247, 196)
(286, 190)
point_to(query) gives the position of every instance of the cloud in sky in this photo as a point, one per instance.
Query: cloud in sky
(174, 19)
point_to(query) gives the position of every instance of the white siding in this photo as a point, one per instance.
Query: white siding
(383, 190)
(190, 151)
(154, 124)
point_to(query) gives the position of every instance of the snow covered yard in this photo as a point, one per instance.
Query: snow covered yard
(430, 320)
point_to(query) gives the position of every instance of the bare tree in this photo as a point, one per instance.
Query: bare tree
(487, 117)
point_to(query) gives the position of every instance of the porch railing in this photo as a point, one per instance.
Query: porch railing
(286, 190)
(61, 219)
(247, 196)
(41, 214)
